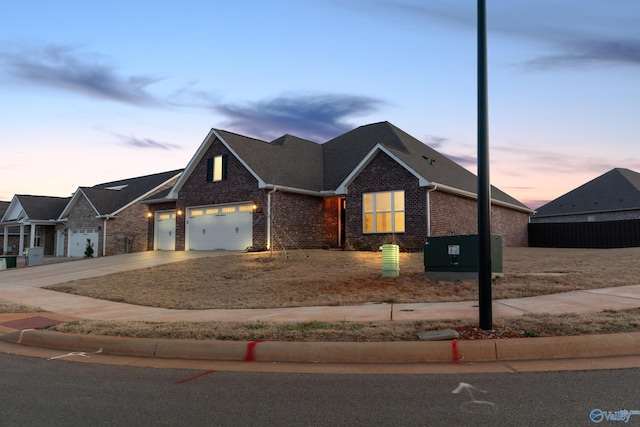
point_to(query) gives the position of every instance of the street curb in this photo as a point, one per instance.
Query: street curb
(608, 345)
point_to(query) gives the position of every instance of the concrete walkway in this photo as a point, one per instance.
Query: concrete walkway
(24, 285)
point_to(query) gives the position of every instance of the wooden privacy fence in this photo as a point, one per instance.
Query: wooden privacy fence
(604, 234)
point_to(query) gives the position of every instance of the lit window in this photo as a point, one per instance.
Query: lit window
(229, 210)
(383, 212)
(212, 211)
(245, 208)
(196, 212)
(217, 168)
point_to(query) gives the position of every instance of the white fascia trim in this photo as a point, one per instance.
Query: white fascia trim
(342, 188)
(197, 157)
(14, 211)
(65, 211)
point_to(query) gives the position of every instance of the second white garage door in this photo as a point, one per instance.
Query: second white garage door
(227, 227)
(78, 242)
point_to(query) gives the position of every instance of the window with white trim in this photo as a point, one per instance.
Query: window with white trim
(383, 212)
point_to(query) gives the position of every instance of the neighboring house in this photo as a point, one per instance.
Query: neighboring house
(106, 216)
(109, 216)
(13, 233)
(373, 184)
(33, 219)
(604, 212)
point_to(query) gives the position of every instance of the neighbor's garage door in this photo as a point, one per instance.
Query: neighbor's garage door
(78, 242)
(220, 227)
(165, 230)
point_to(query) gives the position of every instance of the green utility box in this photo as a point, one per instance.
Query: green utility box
(456, 257)
(10, 260)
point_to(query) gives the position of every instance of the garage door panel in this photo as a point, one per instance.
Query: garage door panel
(222, 227)
(78, 241)
(166, 231)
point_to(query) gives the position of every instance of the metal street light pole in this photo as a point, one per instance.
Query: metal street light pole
(484, 186)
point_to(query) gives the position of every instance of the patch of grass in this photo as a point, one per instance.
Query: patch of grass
(539, 325)
(10, 307)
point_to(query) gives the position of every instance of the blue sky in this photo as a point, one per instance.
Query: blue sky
(93, 92)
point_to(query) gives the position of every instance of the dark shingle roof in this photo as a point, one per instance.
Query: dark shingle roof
(618, 189)
(294, 162)
(342, 155)
(42, 207)
(288, 161)
(109, 197)
(3, 207)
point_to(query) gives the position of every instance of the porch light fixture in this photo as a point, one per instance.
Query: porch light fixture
(179, 212)
(149, 214)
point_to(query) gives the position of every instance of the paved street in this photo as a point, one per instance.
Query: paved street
(60, 393)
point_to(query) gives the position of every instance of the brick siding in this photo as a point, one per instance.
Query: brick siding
(385, 174)
(451, 214)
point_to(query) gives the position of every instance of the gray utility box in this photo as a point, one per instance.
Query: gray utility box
(34, 256)
(456, 257)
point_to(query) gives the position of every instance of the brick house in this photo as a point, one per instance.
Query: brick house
(30, 221)
(109, 216)
(373, 184)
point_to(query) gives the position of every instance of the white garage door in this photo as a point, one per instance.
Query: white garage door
(78, 242)
(165, 231)
(220, 227)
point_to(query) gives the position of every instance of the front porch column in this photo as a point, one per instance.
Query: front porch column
(5, 242)
(21, 251)
(32, 236)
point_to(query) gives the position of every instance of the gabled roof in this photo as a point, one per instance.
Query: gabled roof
(328, 168)
(110, 198)
(344, 153)
(618, 189)
(287, 161)
(34, 208)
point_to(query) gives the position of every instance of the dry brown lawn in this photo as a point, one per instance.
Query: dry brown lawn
(318, 277)
(311, 278)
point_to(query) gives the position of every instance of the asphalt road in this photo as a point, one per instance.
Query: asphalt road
(40, 392)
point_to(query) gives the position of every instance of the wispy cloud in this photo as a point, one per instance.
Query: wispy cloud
(603, 41)
(144, 143)
(587, 53)
(314, 117)
(64, 67)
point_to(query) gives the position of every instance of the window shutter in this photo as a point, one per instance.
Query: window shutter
(209, 170)
(224, 166)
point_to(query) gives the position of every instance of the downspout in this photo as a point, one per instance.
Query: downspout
(431, 188)
(104, 236)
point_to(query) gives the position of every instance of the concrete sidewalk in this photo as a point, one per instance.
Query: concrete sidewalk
(24, 286)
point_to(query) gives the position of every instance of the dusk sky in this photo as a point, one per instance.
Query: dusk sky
(99, 91)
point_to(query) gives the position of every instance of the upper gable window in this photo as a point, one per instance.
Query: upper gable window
(217, 168)
(383, 212)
